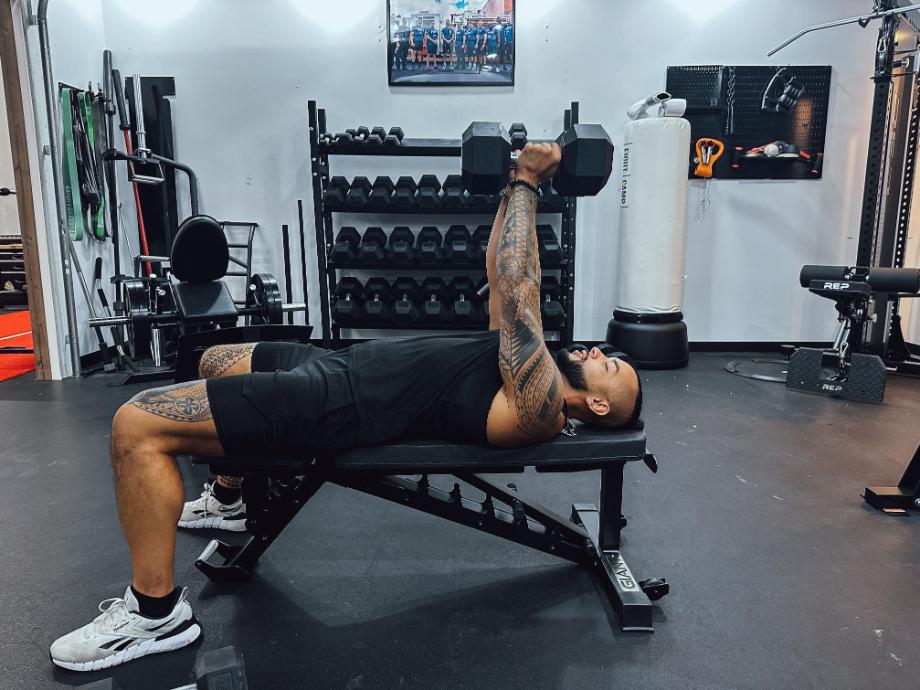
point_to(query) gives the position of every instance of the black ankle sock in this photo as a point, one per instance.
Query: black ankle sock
(156, 607)
(224, 494)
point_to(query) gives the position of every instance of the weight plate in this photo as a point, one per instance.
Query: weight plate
(137, 309)
(264, 299)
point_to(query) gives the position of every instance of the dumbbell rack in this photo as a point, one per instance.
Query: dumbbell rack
(565, 207)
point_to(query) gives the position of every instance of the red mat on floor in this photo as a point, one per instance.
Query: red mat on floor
(15, 331)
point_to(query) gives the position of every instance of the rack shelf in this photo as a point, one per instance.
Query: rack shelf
(417, 265)
(408, 147)
(424, 327)
(555, 204)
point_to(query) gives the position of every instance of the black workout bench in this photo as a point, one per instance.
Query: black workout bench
(275, 493)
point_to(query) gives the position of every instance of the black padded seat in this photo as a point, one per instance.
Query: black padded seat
(200, 252)
(205, 302)
(590, 449)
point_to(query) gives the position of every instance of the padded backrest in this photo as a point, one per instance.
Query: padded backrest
(200, 253)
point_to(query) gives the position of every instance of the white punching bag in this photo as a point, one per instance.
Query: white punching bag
(648, 322)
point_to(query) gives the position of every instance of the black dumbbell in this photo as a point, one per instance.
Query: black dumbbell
(325, 139)
(349, 300)
(551, 307)
(381, 193)
(465, 302)
(587, 159)
(361, 134)
(343, 138)
(432, 293)
(345, 249)
(401, 245)
(550, 251)
(376, 137)
(518, 136)
(373, 246)
(458, 245)
(429, 189)
(428, 245)
(404, 193)
(405, 305)
(481, 242)
(358, 193)
(377, 295)
(394, 137)
(453, 194)
(336, 192)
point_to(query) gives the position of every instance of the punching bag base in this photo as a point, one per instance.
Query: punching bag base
(651, 342)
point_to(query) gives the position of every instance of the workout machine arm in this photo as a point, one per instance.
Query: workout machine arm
(533, 384)
(495, 304)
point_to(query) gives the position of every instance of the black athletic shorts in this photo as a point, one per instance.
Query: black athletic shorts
(297, 399)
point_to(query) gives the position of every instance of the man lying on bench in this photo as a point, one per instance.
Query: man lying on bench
(502, 388)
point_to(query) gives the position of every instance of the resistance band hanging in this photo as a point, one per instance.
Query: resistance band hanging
(92, 169)
(72, 201)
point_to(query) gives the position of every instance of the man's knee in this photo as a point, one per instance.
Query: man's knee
(132, 433)
(226, 360)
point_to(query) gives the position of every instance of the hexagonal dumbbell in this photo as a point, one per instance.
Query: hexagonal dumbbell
(432, 295)
(550, 251)
(361, 134)
(336, 192)
(394, 137)
(518, 136)
(551, 308)
(428, 194)
(405, 303)
(481, 242)
(458, 245)
(404, 194)
(453, 194)
(373, 246)
(401, 245)
(377, 301)
(347, 306)
(428, 245)
(382, 193)
(358, 193)
(487, 156)
(465, 307)
(376, 137)
(345, 249)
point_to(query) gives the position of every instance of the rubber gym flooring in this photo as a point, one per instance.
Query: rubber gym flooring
(781, 576)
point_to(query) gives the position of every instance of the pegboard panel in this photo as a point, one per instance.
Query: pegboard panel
(724, 103)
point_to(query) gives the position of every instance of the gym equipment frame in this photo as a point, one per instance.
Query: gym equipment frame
(320, 152)
(275, 493)
(900, 498)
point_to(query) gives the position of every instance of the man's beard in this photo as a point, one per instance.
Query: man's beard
(572, 369)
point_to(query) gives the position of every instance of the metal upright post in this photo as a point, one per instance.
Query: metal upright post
(318, 174)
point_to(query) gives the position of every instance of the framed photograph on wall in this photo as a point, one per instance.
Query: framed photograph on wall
(451, 42)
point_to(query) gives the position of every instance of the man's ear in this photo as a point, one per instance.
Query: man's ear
(598, 406)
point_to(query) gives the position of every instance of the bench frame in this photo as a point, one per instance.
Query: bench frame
(274, 495)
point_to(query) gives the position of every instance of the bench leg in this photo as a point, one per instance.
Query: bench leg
(632, 604)
(901, 497)
(270, 506)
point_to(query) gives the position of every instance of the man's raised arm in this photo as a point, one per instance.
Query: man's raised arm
(533, 384)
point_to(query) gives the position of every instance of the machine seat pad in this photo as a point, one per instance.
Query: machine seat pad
(205, 301)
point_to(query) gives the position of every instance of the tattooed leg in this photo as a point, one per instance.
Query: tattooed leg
(147, 433)
(226, 360)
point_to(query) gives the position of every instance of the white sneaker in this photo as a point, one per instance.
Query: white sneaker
(209, 513)
(121, 634)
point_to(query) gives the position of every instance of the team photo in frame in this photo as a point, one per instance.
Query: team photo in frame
(451, 42)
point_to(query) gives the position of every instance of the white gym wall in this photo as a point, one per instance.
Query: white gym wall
(244, 72)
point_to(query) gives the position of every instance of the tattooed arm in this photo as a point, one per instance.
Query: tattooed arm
(533, 384)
